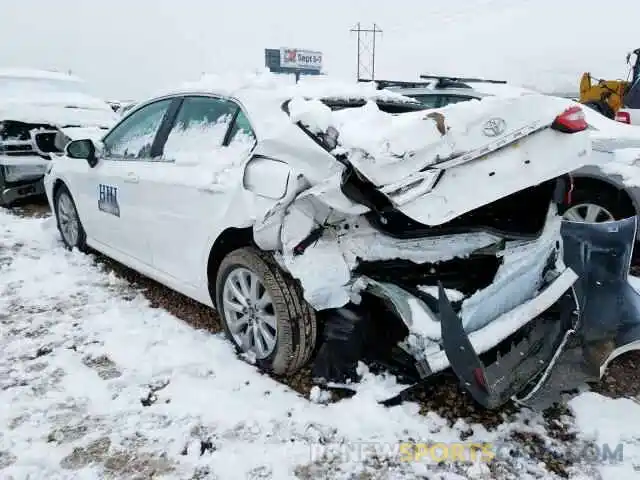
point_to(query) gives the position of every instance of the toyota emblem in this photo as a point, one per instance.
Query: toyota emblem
(494, 127)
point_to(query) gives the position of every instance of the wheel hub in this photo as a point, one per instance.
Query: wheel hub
(588, 212)
(248, 313)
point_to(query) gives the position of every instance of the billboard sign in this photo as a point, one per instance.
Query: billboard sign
(300, 59)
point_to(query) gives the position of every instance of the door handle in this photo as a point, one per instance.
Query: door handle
(131, 177)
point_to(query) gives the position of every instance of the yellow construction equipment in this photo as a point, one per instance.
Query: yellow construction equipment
(607, 96)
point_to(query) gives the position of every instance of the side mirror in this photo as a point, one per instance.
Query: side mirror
(267, 177)
(82, 150)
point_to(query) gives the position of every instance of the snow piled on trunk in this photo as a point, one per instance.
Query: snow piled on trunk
(96, 383)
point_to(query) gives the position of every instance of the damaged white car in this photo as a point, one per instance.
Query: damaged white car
(39, 112)
(334, 224)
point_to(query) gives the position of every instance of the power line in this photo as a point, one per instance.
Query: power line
(366, 45)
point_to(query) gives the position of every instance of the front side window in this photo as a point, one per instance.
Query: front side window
(200, 127)
(133, 138)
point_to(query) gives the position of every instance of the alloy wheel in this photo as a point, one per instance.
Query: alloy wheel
(249, 313)
(68, 220)
(588, 212)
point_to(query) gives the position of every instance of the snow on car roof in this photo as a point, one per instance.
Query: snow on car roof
(282, 87)
(37, 74)
(263, 93)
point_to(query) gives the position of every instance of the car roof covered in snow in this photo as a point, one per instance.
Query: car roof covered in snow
(263, 94)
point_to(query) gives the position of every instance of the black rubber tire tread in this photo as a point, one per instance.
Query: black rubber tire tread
(297, 323)
(82, 235)
(615, 203)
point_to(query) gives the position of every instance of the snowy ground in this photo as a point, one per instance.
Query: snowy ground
(97, 383)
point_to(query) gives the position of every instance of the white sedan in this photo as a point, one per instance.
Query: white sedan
(346, 210)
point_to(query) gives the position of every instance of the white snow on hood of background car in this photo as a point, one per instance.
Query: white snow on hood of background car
(60, 110)
(35, 96)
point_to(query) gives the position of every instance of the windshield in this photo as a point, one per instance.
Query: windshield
(21, 85)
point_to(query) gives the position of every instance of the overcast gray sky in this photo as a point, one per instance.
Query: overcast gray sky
(130, 48)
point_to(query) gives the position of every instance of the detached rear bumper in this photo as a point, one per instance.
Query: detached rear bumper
(570, 344)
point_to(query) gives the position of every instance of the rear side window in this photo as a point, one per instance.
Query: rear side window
(241, 131)
(200, 126)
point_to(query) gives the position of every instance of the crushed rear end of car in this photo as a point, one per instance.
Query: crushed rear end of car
(417, 256)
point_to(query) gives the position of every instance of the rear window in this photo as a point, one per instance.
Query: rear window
(428, 101)
(451, 99)
(385, 106)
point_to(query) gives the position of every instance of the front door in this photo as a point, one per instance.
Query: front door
(112, 190)
(194, 186)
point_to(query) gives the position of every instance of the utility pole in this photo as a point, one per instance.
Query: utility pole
(366, 44)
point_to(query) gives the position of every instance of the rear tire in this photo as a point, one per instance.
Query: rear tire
(68, 221)
(286, 324)
(591, 204)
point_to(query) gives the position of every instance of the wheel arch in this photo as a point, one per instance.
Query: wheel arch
(229, 240)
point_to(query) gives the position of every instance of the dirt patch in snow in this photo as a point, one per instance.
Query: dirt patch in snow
(117, 463)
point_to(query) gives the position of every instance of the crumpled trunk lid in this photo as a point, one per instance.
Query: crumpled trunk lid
(475, 153)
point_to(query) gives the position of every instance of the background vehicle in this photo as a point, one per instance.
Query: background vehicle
(39, 112)
(598, 196)
(607, 97)
(629, 113)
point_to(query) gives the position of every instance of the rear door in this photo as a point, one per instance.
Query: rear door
(111, 199)
(195, 184)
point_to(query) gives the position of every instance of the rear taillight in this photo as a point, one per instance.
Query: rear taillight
(623, 117)
(570, 121)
